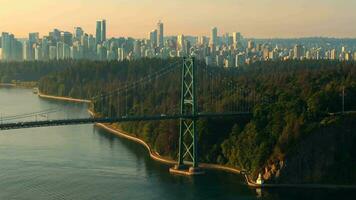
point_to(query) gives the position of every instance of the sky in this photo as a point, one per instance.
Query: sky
(136, 18)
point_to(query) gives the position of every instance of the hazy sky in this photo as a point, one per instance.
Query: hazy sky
(253, 18)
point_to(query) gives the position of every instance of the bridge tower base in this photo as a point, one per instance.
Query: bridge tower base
(187, 134)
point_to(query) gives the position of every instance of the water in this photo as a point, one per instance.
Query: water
(83, 162)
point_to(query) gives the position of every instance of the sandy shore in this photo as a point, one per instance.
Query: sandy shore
(7, 85)
(63, 98)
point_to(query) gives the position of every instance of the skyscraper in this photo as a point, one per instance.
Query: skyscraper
(98, 32)
(214, 36)
(33, 38)
(103, 30)
(333, 55)
(298, 51)
(67, 38)
(11, 48)
(160, 35)
(236, 38)
(202, 40)
(6, 46)
(27, 51)
(137, 49)
(52, 52)
(251, 45)
(55, 35)
(153, 38)
(181, 44)
(78, 33)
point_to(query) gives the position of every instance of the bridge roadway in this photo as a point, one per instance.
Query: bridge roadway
(66, 122)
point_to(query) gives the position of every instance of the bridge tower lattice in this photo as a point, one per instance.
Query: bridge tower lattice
(187, 133)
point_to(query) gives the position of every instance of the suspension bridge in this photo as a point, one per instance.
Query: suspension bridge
(199, 92)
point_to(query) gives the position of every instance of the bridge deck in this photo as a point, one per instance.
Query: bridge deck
(64, 122)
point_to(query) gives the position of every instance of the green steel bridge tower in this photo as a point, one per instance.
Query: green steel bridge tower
(188, 148)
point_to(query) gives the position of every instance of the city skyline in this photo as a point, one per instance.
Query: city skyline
(262, 19)
(227, 50)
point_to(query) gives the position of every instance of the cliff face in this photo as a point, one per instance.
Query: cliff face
(327, 155)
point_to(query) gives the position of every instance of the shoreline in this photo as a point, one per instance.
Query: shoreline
(7, 85)
(68, 99)
(155, 156)
(13, 85)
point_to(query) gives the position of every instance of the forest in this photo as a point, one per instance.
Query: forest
(297, 132)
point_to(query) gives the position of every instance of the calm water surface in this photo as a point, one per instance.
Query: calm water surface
(83, 162)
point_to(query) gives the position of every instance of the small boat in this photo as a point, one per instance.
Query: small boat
(35, 90)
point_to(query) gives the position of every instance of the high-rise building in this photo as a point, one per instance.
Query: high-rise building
(27, 51)
(202, 40)
(52, 52)
(91, 43)
(33, 38)
(84, 41)
(236, 40)
(38, 52)
(121, 54)
(240, 59)
(298, 52)
(265, 53)
(67, 38)
(180, 44)
(6, 46)
(251, 45)
(55, 35)
(160, 34)
(60, 47)
(103, 30)
(214, 36)
(227, 39)
(153, 38)
(66, 51)
(100, 31)
(333, 55)
(137, 49)
(11, 48)
(236, 37)
(343, 49)
(348, 56)
(78, 33)
(45, 48)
